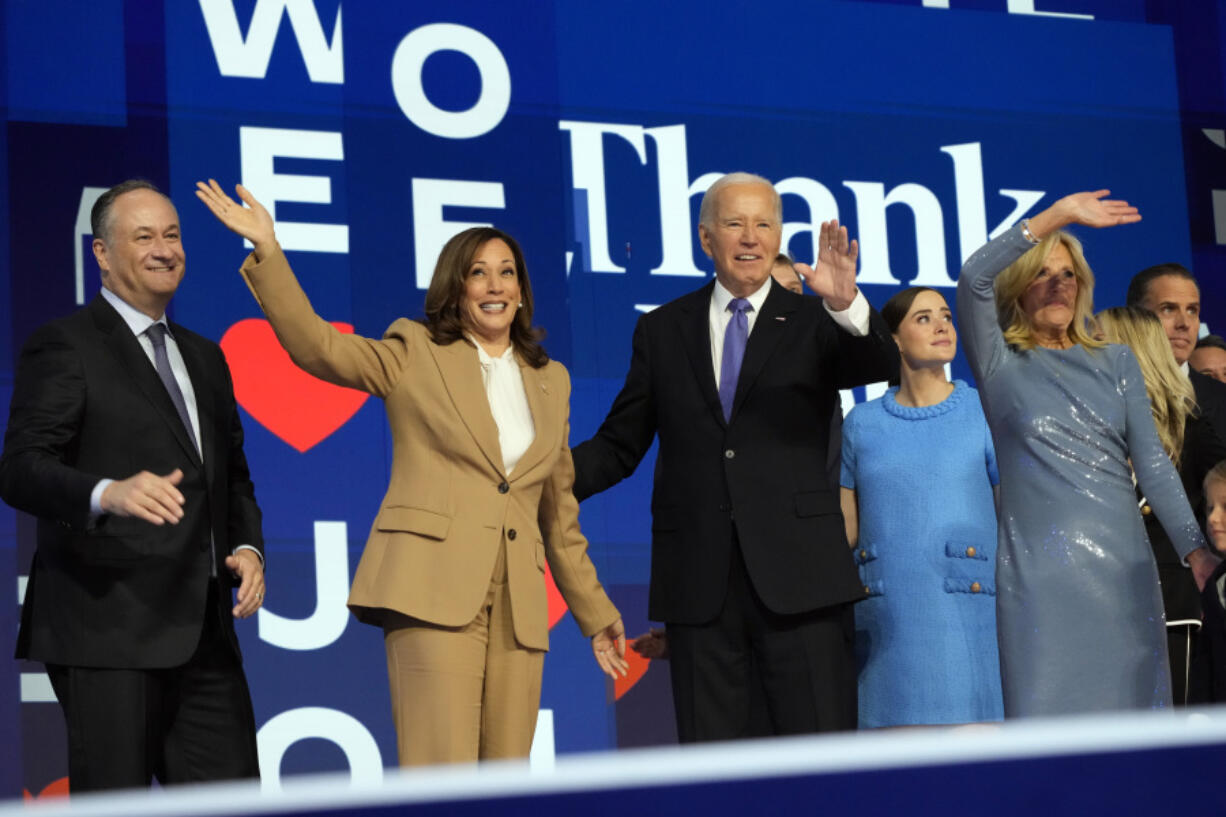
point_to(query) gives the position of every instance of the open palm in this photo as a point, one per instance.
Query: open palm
(252, 222)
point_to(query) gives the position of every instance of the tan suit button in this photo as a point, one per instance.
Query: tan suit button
(867, 590)
(1146, 510)
(503, 487)
(970, 551)
(511, 533)
(863, 553)
(975, 588)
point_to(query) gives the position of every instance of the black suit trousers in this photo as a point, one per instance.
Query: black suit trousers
(191, 723)
(753, 673)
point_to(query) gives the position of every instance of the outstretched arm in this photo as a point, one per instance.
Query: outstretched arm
(314, 344)
(1091, 209)
(985, 344)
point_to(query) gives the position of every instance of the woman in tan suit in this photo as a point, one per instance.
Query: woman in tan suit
(480, 493)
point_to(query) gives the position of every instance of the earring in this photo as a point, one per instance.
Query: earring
(521, 304)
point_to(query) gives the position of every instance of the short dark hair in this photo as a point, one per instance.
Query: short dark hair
(898, 306)
(1138, 287)
(443, 316)
(100, 216)
(785, 260)
(1211, 342)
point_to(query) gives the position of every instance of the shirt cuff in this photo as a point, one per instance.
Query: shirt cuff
(853, 319)
(95, 499)
(259, 555)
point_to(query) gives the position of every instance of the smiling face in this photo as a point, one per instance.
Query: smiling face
(926, 336)
(744, 236)
(491, 295)
(1050, 300)
(1176, 302)
(142, 258)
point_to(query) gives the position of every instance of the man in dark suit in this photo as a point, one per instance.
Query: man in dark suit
(124, 441)
(1171, 292)
(750, 570)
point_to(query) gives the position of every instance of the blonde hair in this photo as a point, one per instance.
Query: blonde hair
(1216, 474)
(1171, 398)
(1018, 276)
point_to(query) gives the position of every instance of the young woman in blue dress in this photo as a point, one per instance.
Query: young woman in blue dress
(917, 493)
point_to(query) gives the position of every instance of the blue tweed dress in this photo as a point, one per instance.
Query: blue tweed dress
(926, 633)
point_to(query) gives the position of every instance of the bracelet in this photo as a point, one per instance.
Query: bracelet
(1026, 234)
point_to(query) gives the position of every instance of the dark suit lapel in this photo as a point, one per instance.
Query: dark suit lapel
(132, 358)
(461, 371)
(695, 330)
(203, 386)
(767, 330)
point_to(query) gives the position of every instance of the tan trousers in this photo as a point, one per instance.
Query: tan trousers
(462, 694)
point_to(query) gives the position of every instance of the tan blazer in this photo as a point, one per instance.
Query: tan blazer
(450, 505)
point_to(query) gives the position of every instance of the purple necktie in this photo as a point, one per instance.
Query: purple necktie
(735, 337)
(157, 335)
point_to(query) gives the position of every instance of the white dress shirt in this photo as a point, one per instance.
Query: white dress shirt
(504, 388)
(853, 319)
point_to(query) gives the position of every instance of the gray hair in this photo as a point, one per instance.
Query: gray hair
(706, 213)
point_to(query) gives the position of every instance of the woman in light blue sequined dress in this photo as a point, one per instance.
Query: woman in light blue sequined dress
(1079, 612)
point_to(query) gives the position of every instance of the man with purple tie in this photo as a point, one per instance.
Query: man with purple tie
(750, 572)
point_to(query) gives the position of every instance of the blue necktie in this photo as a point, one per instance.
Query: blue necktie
(735, 337)
(157, 335)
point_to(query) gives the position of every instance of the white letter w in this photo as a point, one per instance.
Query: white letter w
(237, 57)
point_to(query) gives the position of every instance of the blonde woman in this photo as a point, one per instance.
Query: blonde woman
(1078, 609)
(1194, 447)
(1171, 398)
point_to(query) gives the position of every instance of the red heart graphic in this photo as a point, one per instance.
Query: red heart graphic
(638, 666)
(557, 604)
(56, 788)
(297, 407)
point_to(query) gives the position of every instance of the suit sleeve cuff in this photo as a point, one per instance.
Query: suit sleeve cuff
(853, 319)
(95, 499)
(253, 550)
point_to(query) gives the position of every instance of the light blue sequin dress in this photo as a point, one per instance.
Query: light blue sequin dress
(926, 634)
(1078, 607)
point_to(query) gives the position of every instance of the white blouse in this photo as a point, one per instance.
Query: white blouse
(504, 388)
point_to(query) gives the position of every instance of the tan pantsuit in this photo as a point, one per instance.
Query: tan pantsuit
(450, 525)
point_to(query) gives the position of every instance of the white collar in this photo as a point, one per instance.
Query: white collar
(136, 320)
(487, 359)
(721, 297)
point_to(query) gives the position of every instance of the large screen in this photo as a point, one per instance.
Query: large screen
(374, 131)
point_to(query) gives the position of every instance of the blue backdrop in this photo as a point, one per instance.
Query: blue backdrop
(374, 131)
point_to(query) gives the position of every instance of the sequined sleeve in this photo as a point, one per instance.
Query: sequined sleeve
(985, 343)
(1156, 475)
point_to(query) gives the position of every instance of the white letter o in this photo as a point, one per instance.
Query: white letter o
(293, 725)
(491, 105)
